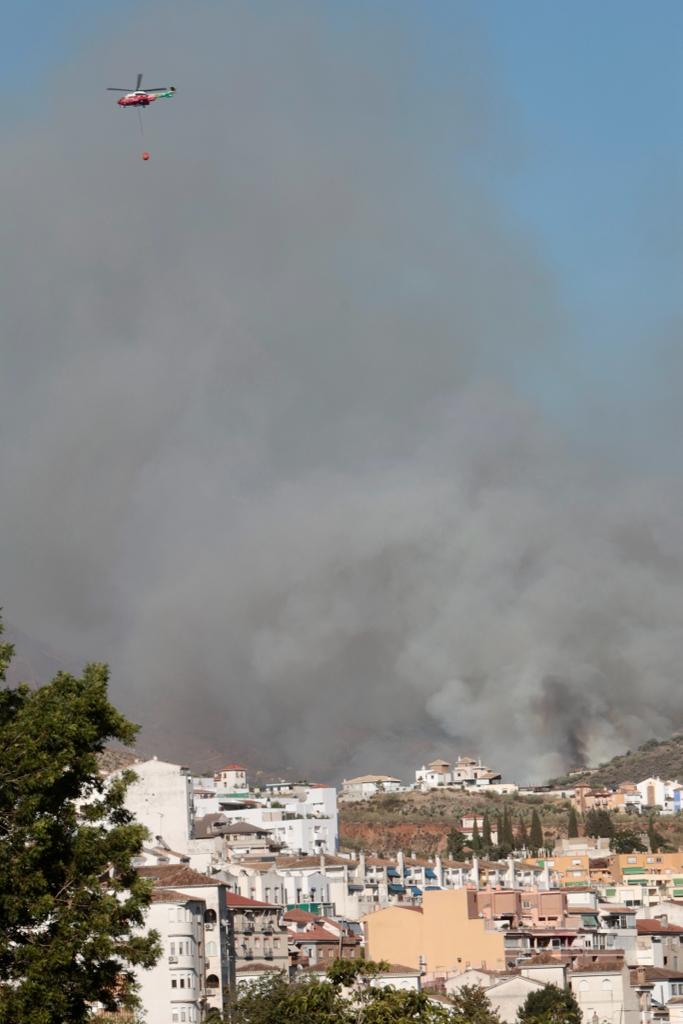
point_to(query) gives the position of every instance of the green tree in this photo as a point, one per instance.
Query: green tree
(455, 844)
(508, 835)
(550, 1005)
(471, 1005)
(71, 904)
(486, 841)
(475, 841)
(347, 972)
(599, 823)
(522, 835)
(627, 841)
(393, 1006)
(536, 834)
(572, 824)
(274, 1000)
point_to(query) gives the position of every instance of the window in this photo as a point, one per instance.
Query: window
(183, 1013)
(632, 860)
(171, 913)
(182, 983)
(174, 983)
(211, 949)
(174, 1015)
(172, 949)
(212, 981)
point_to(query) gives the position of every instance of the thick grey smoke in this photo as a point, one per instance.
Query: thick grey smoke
(264, 445)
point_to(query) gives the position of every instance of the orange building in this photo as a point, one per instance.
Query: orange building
(444, 934)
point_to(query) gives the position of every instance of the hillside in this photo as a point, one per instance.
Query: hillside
(655, 757)
(420, 822)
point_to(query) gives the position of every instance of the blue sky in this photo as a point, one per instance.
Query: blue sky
(595, 94)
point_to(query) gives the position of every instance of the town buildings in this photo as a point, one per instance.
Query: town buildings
(249, 880)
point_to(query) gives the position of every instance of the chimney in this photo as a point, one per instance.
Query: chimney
(641, 976)
(361, 867)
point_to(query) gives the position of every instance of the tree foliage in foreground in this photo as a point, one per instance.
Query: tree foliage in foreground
(347, 996)
(471, 1005)
(71, 905)
(550, 1005)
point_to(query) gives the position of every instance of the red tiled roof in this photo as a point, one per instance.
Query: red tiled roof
(171, 896)
(650, 927)
(399, 969)
(318, 934)
(257, 968)
(299, 916)
(656, 974)
(234, 899)
(313, 861)
(232, 768)
(605, 966)
(176, 875)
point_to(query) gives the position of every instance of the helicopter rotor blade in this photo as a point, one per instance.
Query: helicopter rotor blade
(110, 89)
(137, 87)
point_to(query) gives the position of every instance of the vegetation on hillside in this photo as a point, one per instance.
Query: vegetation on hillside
(655, 757)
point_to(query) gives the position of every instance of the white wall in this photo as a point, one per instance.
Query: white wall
(161, 800)
(176, 922)
(608, 994)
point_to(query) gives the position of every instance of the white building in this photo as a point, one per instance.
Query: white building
(465, 773)
(365, 786)
(652, 792)
(219, 945)
(161, 800)
(436, 773)
(303, 821)
(604, 993)
(232, 781)
(173, 991)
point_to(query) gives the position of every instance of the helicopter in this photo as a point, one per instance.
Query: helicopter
(139, 97)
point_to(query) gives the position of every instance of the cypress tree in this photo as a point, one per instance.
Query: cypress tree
(522, 834)
(455, 843)
(572, 824)
(475, 842)
(508, 834)
(536, 836)
(486, 841)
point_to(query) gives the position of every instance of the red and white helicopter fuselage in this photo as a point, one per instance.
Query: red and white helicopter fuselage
(138, 97)
(143, 99)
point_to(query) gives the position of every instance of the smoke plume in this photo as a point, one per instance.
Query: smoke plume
(268, 444)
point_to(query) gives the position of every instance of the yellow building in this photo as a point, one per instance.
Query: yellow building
(444, 934)
(661, 873)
